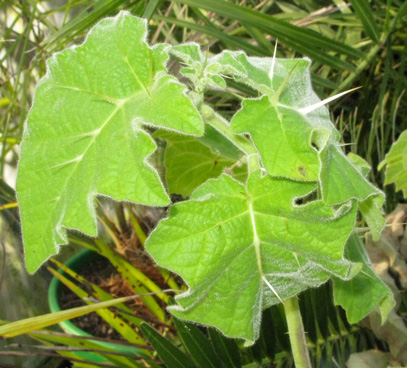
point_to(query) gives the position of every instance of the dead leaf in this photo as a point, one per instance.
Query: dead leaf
(368, 359)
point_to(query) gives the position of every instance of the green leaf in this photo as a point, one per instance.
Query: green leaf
(219, 143)
(56, 339)
(198, 346)
(109, 316)
(364, 12)
(226, 349)
(360, 295)
(361, 164)
(371, 211)
(296, 140)
(305, 41)
(189, 163)
(341, 180)
(23, 326)
(287, 139)
(84, 135)
(370, 207)
(240, 249)
(210, 72)
(396, 161)
(282, 138)
(168, 353)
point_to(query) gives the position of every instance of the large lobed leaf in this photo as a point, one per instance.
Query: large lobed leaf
(241, 249)
(294, 140)
(84, 135)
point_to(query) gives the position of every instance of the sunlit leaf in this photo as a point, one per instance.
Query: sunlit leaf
(85, 133)
(241, 249)
(282, 137)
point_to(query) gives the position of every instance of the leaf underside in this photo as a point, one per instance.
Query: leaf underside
(189, 162)
(84, 135)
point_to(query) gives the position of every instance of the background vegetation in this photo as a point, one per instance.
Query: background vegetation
(351, 44)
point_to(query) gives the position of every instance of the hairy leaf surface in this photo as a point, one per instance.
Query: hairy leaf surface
(240, 249)
(84, 135)
(283, 138)
(365, 291)
(371, 208)
(300, 143)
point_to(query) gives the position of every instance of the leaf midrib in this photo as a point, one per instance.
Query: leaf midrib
(93, 140)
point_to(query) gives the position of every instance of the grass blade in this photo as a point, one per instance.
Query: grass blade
(364, 12)
(150, 9)
(83, 21)
(23, 326)
(215, 33)
(197, 344)
(110, 317)
(226, 349)
(278, 28)
(169, 353)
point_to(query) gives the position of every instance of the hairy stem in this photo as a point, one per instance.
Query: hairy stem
(242, 143)
(296, 333)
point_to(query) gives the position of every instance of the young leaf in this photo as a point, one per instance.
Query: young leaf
(396, 161)
(85, 137)
(210, 72)
(299, 142)
(241, 249)
(282, 138)
(365, 291)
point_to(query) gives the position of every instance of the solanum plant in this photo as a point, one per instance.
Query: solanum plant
(272, 199)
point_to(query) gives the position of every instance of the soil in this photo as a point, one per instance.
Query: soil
(103, 274)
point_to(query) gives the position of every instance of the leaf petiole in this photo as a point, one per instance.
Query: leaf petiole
(296, 333)
(242, 143)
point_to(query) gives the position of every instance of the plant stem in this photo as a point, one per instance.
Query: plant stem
(296, 333)
(242, 143)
